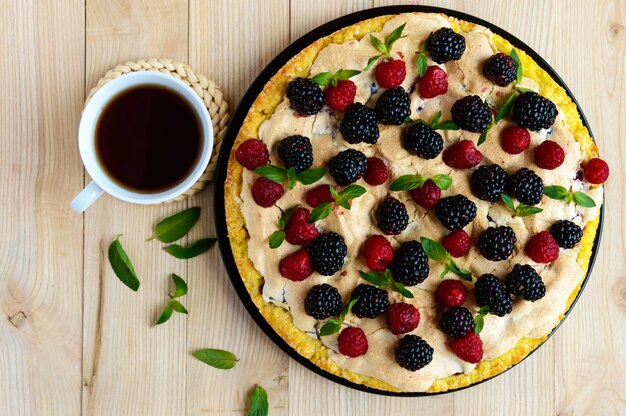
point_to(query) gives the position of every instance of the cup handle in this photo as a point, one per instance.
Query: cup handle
(86, 197)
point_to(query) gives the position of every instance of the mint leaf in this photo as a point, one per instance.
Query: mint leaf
(508, 201)
(555, 192)
(323, 78)
(330, 327)
(291, 177)
(344, 74)
(446, 125)
(378, 44)
(459, 271)
(191, 250)
(273, 173)
(525, 210)
(422, 64)
(259, 406)
(435, 118)
(408, 182)
(321, 211)
(515, 57)
(399, 288)
(166, 314)
(286, 216)
(434, 250)
(347, 309)
(310, 176)
(121, 265)
(483, 135)
(442, 181)
(221, 359)
(393, 37)
(523, 89)
(506, 107)
(180, 286)
(479, 320)
(276, 239)
(344, 197)
(176, 226)
(377, 279)
(178, 307)
(583, 200)
(372, 61)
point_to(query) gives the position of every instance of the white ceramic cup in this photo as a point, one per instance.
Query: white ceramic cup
(101, 181)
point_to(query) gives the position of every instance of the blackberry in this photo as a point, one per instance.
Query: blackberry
(372, 301)
(296, 152)
(359, 124)
(328, 252)
(471, 113)
(305, 96)
(566, 233)
(423, 141)
(323, 301)
(455, 212)
(490, 292)
(534, 112)
(393, 106)
(410, 264)
(413, 353)
(524, 282)
(445, 45)
(488, 182)
(456, 322)
(347, 167)
(500, 69)
(496, 243)
(391, 216)
(526, 186)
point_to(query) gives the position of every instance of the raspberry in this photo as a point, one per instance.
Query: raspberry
(451, 293)
(534, 112)
(252, 153)
(490, 292)
(352, 342)
(457, 243)
(296, 152)
(471, 113)
(318, 195)
(500, 69)
(305, 96)
(390, 73)
(393, 106)
(347, 166)
(391, 216)
(323, 301)
(298, 231)
(524, 282)
(433, 83)
(469, 348)
(423, 141)
(296, 266)
(266, 192)
(328, 253)
(515, 140)
(371, 302)
(359, 124)
(596, 171)
(413, 353)
(462, 155)
(566, 233)
(542, 248)
(339, 97)
(488, 182)
(410, 264)
(426, 195)
(444, 45)
(496, 243)
(378, 253)
(456, 322)
(376, 172)
(549, 155)
(526, 186)
(402, 318)
(455, 212)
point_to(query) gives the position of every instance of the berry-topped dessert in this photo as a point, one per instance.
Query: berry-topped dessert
(412, 203)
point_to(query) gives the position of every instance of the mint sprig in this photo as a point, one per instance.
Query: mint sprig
(503, 112)
(410, 182)
(384, 47)
(341, 199)
(333, 325)
(520, 210)
(435, 124)
(278, 236)
(479, 320)
(180, 289)
(437, 252)
(385, 281)
(280, 175)
(515, 58)
(569, 196)
(328, 78)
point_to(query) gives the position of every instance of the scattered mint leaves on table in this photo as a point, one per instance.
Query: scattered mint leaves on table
(122, 265)
(224, 360)
(176, 226)
(180, 289)
(259, 404)
(192, 250)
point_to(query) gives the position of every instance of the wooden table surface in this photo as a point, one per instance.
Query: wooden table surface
(74, 340)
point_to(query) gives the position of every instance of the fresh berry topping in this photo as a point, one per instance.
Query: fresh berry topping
(549, 155)
(413, 353)
(265, 192)
(296, 152)
(328, 253)
(423, 141)
(566, 233)
(456, 322)
(462, 155)
(298, 231)
(393, 106)
(490, 292)
(515, 139)
(524, 282)
(378, 253)
(372, 301)
(426, 195)
(252, 153)
(305, 96)
(376, 172)
(455, 212)
(402, 318)
(296, 266)
(444, 45)
(457, 243)
(390, 73)
(339, 97)
(433, 83)
(471, 113)
(596, 171)
(318, 195)
(469, 348)
(526, 186)
(488, 182)
(451, 293)
(347, 166)
(534, 112)
(391, 216)
(410, 264)
(323, 301)
(542, 248)
(500, 69)
(359, 124)
(496, 243)
(352, 342)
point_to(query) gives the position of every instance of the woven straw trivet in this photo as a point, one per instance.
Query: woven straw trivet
(205, 88)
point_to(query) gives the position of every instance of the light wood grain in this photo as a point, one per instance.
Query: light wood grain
(74, 340)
